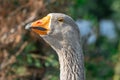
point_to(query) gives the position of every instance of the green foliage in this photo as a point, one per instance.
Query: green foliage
(51, 61)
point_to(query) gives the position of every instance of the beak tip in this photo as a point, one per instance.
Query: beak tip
(28, 26)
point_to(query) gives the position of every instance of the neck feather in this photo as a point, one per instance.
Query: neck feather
(71, 63)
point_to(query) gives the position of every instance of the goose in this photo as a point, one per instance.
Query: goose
(62, 34)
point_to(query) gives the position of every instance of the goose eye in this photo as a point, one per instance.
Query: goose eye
(60, 19)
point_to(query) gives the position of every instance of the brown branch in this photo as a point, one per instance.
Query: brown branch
(39, 57)
(12, 59)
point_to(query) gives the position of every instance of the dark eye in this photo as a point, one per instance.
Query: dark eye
(60, 19)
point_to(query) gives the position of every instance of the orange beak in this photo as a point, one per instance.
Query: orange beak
(41, 26)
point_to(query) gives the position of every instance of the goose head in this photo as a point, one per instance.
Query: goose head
(57, 29)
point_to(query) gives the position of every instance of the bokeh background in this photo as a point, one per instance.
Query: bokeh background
(25, 56)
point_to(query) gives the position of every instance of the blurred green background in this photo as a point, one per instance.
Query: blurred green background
(25, 56)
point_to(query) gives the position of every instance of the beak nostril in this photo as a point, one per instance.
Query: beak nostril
(38, 22)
